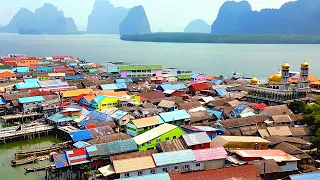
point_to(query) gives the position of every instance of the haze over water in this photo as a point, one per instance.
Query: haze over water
(213, 59)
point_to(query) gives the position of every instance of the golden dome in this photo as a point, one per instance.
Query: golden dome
(276, 77)
(285, 66)
(254, 81)
(305, 64)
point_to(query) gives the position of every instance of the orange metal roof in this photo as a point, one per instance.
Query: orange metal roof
(111, 93)
(89, 98)
(7, 74)
(77, 92)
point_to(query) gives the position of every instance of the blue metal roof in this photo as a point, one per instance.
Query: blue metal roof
(126, 80)
(80, 135)
(73, 77)
(27, 85)
(60, 160)
(113, 70)
(84, 111)
(221, 91)
(2, 101)
(173, 86)
(44, 69)
(22, 69)
(158, 176)
(31, 99)
(44, 62)
(194, 76)
(217, 81)
(98, 99)
(55, 117)
(217, 113)
(174, 115)
(174, 157)
(73, 64)
(237, 110)
(247, 114)
(36, 80)
(92, 71)
(100, 117)
(306, 176)
(119, 114)
(114, 86)
(81, 144)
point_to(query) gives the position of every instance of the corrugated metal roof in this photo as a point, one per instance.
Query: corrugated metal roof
(139, 67)
(217, 81)
(56, 74)
(22, 69)
(173, 86)
(55, 117)
(60, 160)
(31, 99)
(98, 99)
(101, 131)
(154, 133)
(119, 114)
(73, 77)
(44, 69)
(126, 80)
(194, 76)
(27, 85)
(107, 170)
(114, 86)
(121, 146)
(113, 70)
(237, 110)
(148, 121)
(196, 138)
(221, 91)
(81, 144)
(174, 157)
(174, 115)
(52, 83)
(36, 80)
(96, 150)
(277, 155)
(210, 154)
(306, 176)
(243, 139)
(80, 135)
(77, 156)
(158, 176)
(133, 164)
(217, 113)
(100, 117)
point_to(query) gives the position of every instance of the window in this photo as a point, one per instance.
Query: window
(153, 171)
(126, 175)
(140, 173)
(176, 167)
(193, 146)
(149, 142)
(198, 165)
(167, 138)
(158, 140)
(201, 145)
(186, 166)
(164, 169)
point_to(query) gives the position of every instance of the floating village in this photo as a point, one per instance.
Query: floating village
(144, 122)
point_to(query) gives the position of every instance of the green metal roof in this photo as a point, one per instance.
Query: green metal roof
(184, 76)
(140, 67)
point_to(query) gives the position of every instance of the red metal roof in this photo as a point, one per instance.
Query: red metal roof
(200, 86)
(210, 154)
(260, 106)
(91, 126)
(239, 172)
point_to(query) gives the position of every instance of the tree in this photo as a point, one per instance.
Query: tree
(297, 107)
(312, 118)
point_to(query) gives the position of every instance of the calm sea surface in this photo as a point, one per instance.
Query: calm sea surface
(213, 59)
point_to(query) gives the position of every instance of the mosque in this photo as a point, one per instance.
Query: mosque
(281, 87)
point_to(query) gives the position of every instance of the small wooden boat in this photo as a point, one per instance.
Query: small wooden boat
(28, 160)
(117, 62)
(35, 169)
(42, 158)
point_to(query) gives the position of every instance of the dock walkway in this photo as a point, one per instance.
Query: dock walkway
(26, 133)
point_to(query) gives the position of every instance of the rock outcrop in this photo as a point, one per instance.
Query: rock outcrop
(105, 18)
(47, 20)
(71, 25)
(197, 26)
(296, 17)
(136, 22)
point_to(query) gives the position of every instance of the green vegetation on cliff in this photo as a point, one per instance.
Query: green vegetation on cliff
(214, 38)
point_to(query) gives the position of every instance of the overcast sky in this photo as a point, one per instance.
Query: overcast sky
(170, 15)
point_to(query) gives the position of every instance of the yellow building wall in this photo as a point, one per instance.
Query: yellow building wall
(108, 102)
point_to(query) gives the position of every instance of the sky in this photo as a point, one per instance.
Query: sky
(169, 15)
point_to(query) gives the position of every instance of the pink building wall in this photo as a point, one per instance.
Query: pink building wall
(158, 73)
(199, 78)
(123, 73)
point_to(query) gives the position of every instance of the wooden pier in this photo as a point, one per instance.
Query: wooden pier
(25, 133)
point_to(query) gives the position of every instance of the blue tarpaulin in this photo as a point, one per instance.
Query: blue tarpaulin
(100, 117)
(81, 135)
(217, 82)
(238, 110)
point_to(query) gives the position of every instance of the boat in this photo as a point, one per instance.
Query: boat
(43, 158)
(28, 160)
(35, 169)
(117, 62)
